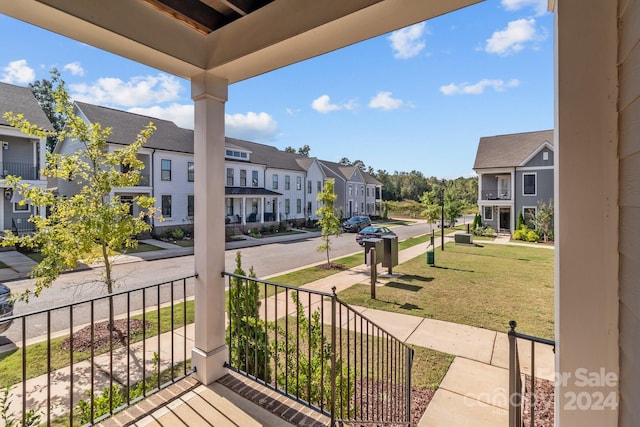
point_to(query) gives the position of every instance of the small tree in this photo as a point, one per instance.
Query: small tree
(247, 340)
(327, 218)
(543, 219)
(520, 221)
(44, 91)
(92, 224)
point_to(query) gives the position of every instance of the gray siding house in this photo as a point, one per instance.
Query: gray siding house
(515, 173)
(20, 155)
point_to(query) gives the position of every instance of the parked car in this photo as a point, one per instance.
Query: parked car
(6, 307)
(373, 232)
(355, 224)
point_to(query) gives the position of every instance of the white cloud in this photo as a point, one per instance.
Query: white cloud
(478, 88)
(384, 101)
(74, 68)
(408, 42)
(512, 38)
(323, 104)
(251, 126)
(180, 114)
(138, 91)
(18, 72)
(540, 6)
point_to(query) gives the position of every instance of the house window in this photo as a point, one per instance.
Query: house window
(545, 155)
(298, 183)
(368, 191)
(17, 207)
(362, 190)
(254, 178)
(287, 182)
(309, 187)
(287, 206)
(298, 206)
(166, 206)
(350, 190)
(274, 185)
(243, 178)
(165, 170)
(488, 213)
(362, 207)
(529, 184)
(319, 186)
(309, 208)
(229, 206)
(529, 214)
(190, 172)
(229, 177)
(254, 206)
(190, 205)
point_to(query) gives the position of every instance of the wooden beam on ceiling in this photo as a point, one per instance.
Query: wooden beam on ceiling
(194, 13)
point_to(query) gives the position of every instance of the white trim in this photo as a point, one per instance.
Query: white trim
(534, 168)
(535, 174)
(28, 210)
(535, 152)
(492, 171)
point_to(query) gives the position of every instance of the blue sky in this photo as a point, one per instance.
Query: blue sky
(416, 99)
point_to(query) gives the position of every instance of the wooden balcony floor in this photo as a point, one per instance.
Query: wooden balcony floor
(231, 401)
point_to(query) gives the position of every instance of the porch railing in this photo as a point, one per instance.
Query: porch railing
(312, 347)
(24, 227)
(74, 372)
(26, 171)
(515, 376)
(496, 195)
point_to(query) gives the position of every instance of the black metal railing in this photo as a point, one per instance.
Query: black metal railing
(496, 195)
(312, 347)
(24, 227)
(79, 368)
(27, 171)
(515, 377)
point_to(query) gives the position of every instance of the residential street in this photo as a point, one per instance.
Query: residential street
(266, 259)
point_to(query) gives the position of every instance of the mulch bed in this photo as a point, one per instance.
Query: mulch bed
(543, 409)
(121, 331)
(331, 266)
(375, 401)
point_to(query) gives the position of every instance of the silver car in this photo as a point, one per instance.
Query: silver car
(6, 307)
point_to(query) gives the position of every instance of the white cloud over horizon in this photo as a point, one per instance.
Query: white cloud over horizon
(18, 73)
(479, 87)
(540, 6)
(74, 68)
(408, 42)
(513, 38)
(180, 114)
(322, 104)
(137, 92)
(385, 101)
(251, 126)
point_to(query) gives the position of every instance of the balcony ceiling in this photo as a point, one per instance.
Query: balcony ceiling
(232, 39)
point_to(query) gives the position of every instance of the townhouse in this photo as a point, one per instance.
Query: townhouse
(262, 184)
(21, 155)
(515, 173)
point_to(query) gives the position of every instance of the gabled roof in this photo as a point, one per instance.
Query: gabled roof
(20, 100)
(126, 126)
(346, 172)
(267, 155)
(509, 150)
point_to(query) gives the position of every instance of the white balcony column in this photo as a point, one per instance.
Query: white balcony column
(243, 210)
(264, 201)
(586, 206)
(209, 94)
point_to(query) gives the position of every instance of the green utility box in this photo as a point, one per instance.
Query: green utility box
(379, 247)
(431, 260)
(464, 238)
(390, 258)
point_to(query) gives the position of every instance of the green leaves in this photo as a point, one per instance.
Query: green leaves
(328, 220)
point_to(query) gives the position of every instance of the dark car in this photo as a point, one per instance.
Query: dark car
(6, 307)
(373, 232)
(355, 224)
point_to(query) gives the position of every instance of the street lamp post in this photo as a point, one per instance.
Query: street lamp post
(442, 218)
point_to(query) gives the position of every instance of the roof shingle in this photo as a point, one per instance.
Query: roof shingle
(509, 150)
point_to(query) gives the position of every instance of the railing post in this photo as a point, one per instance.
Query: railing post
(515, 384)
(333, 356)
(408, 374)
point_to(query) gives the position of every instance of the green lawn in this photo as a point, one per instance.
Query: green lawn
(478, 286)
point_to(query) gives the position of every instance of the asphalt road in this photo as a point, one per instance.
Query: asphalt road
(267, 260)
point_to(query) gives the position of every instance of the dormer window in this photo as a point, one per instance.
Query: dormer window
(241, 155)
(545, 155)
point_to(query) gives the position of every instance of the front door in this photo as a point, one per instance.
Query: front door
(504, 222)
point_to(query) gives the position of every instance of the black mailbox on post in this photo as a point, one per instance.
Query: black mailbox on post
(373, 243)
(390, 258)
